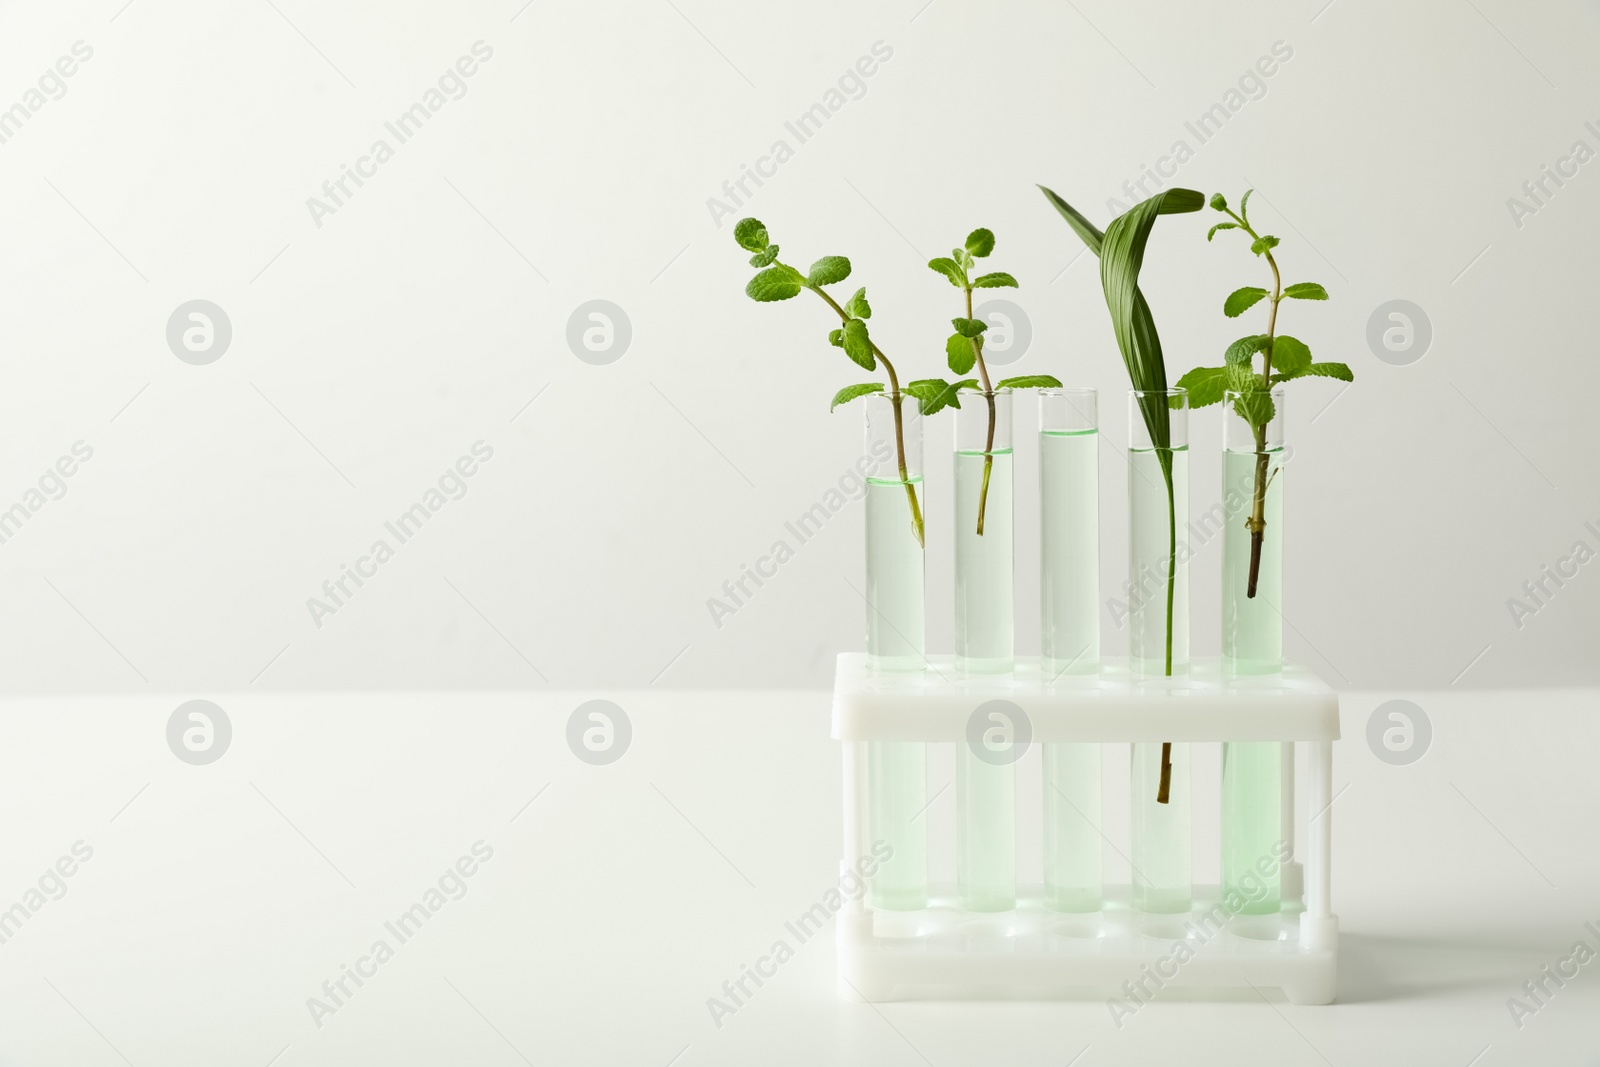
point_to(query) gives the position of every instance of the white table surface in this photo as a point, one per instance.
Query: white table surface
(220, 897)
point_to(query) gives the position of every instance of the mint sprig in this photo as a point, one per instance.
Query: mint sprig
(1283, 358)
(964, 348)
(777, 281)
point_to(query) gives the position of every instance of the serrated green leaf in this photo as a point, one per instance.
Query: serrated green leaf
(934, 394)
(1029, 381)
(969, 327)
(858, 308)
(1245, 348)
(1241, 300)
(750, 234)
(774, 283)
(969, 383)
(1241, 378)
(1255, 407)
(959, 354)
(1265, 243)
(1221, 226)
(963, 257)
(829, 269)
(851, 392)
(761, 259)
(1219, 202)
(980, 242)
(1306, 291)
(996, 280)
(1290, 355)
(858, 345)
(836, 338)
(1319, 370)
(950, 269)
(1205, 385)
(1244, 205)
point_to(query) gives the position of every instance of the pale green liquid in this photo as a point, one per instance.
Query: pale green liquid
(985, 624)
(1072, 879)
(1252, 644)
(894, 579)
(1252, 627)
(1251, 821)
(986, 833)
(1160, 859)
(897, 774)
(1069, 552)
(1149, 553)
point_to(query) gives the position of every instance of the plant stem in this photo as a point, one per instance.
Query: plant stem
(895, 399)
(1164, 457)
(988, 396)
(1257, 523)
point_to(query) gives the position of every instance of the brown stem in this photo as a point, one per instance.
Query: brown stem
(1164, 790)
(1257, 524)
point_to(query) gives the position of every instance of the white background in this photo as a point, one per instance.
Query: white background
(372, 351)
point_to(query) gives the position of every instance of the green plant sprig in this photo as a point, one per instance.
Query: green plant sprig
(1121, 251)
(779, 281)
(964, 349)
(1283, 358)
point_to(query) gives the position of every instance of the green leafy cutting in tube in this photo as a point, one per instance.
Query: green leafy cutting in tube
(777, 280)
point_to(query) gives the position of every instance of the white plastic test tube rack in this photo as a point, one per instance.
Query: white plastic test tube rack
(1034, 953)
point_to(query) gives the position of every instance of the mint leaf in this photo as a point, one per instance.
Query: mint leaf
(1245, 348)
(751, 235)
(774, 283)
(836, 338)
(850, 392)
(761, 259)
(934, 394)
(1029, 381)
(1219, 203)
(950, 269)
(1290, 355)
(980, 242)
(1263, 244)
(959, 354)
(829, 269)
(858, 308)
(1255, 407)
(996, 280)
(857, 345)
(1221, 226)
(1319, 370)
(969, 327)
(1205, 385)
(1241, 300)
(969, 383)
(1306, 291)
(1241, 378)
(1244, 205)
